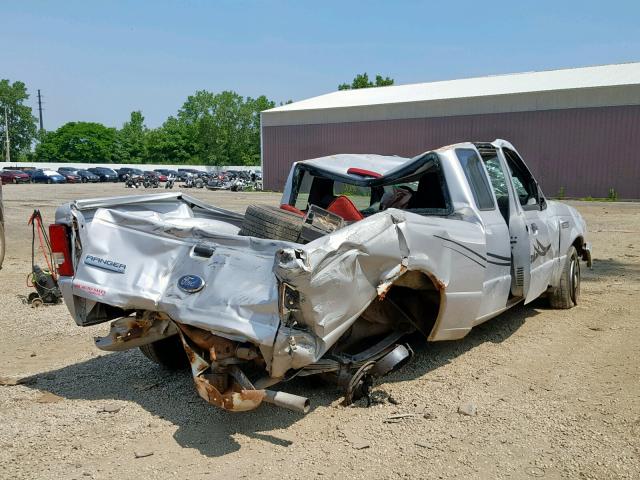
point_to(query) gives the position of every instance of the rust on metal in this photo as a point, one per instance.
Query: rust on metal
(130, 332)
(234, 398)
(218, 347)
(384, 287)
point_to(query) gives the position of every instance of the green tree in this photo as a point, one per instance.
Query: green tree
(171, 143)
(131, 146)
(22, 124)
(362, 81)
(79, 142)
(225, 127)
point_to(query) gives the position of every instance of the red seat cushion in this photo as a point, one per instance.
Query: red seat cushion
(345, 208)
(292, 209)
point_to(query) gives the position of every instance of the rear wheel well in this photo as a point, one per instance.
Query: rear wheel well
(414, 299)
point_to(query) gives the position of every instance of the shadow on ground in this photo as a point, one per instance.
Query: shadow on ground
(171, 395)
(610, 267)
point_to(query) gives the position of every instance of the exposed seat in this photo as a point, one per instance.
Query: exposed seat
(321, 192)
(429, 193)
(345, 208)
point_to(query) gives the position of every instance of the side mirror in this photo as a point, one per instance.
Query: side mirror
(543, 203)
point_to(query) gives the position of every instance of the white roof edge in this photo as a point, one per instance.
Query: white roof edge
(505, 84)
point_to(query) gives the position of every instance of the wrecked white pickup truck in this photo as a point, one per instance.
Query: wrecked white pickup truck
(364, 250)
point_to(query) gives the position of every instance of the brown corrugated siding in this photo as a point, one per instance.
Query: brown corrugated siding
(585, 150)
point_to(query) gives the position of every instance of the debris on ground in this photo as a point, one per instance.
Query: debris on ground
(468, 408)
(356, 442)
(399, 417)
(48, 397)
(110, 408)
(143, 453)
(12, 381)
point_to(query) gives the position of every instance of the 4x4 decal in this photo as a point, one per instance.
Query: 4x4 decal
(539, 250)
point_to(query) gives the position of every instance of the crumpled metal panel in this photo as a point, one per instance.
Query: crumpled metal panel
(339, 275)
(240, 300)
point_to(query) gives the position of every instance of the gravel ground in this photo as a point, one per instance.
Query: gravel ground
(556, 392)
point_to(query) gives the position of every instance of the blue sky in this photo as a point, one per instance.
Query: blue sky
(98, 61)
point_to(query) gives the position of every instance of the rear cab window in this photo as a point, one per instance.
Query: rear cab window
(422, 191)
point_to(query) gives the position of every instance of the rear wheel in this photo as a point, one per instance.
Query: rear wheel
(49, 181)
(270, 222)
(168, 353)
(84, 180)
(567, 294)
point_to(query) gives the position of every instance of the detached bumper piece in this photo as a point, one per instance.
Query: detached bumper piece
(361, 382)
(221, 382)
(586, 254)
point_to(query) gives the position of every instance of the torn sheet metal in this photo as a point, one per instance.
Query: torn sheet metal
(241, 275)
(131, 332)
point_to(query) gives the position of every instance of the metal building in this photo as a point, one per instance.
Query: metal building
(577, 129)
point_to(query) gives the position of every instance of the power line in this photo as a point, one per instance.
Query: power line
(7, 153)
(40, 110)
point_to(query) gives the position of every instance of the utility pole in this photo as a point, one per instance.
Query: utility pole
(40, 109)
(7, 154)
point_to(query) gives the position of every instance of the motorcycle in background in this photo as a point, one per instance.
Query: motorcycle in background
(131, 181)
(151, 182)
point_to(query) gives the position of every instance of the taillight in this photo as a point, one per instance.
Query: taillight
(61, 249)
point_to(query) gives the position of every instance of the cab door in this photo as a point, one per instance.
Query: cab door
(530, 201)
(513, 216)
(495, 292)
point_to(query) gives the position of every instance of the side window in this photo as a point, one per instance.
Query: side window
(499, 184)
(472, 167)
(523, 181)
(302, 198)
(496, 176)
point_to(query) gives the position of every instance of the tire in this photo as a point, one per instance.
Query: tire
(271, 222)
(2, 244)
(49, 181)
(168, 353)
(15, 180)
(567, 294)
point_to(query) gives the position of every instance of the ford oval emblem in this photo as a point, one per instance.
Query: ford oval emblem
(190, 283)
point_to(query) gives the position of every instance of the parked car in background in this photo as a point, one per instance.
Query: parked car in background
(47, 176)
(129, 172)
(168, 172)
(105, 174)
(191, 171)
(70, 176)
(30, 172)
(14, 176)
(87, 176)
(161, 177)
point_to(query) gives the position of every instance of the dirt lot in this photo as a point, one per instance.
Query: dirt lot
(557, 392)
